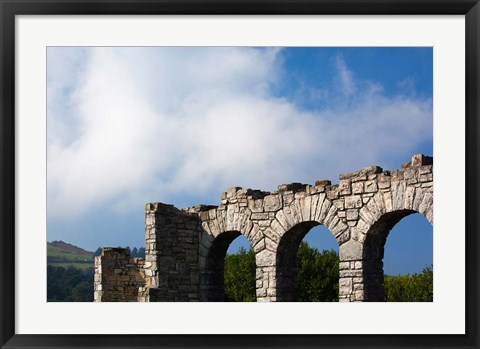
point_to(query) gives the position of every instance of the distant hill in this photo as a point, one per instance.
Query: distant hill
(62, 254)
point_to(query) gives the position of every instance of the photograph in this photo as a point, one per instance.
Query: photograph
(240, 174)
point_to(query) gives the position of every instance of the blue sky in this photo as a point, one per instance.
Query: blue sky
(126, 126)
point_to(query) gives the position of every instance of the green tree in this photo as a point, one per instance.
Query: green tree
(239, 276)
(69, 284)
(410, 288)
(317, 274)
(83, 292)
(317, 278)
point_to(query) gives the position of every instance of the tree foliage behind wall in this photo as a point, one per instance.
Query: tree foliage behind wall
(135, 252)
(240, 276)
(410, 288)
(317, 278)
(69, 284)
(317, 275)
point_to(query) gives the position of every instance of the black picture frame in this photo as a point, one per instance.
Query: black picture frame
(11, 8)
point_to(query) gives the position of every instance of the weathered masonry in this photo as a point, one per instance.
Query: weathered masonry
(185, 248)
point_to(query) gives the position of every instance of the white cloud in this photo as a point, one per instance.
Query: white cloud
(346, 81)
(132, 125)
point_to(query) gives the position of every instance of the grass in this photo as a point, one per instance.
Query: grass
(65, 255)
(82, 266)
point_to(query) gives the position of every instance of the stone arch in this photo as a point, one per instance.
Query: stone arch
(315, 209)
(220, 228)
(399, 203)
(400, 198)
(294, 222)
(212, 273)
(286, 261)
(373, 253)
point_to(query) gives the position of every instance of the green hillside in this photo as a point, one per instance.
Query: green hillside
(62, 254)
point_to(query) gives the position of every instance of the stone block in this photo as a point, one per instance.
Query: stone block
(383, 184)
(345, 286)
(409, 197)
(303, 208)
(232, 192)
(344, 265)
(350, 251)
(272, 203)
(366, 216)
(331, 215)
(421, 160)
(259, 216)
(350, 273)
(255, 205)
(332, 192)
(426, 203)
(297, 209)
(359, 295)
(429, 214)
(345, 187)
(353, 201)
(409, 174)
(398, 196)
(323, 211)
(425, 178)
(396, 175)
(387, 199)
(357, 188)
(277, 228)
(316, 204)
(358, 280)
(300, 195)
(265, 258)
(282, 219)
(362, 173)
(264, 224)
(352, 215)
(339, 204)
(343, 237)
(370, 186)
(288, 198)
(375, 211)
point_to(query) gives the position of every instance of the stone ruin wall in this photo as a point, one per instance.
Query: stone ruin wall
(171, 253)
(118, 277)
(185, 248)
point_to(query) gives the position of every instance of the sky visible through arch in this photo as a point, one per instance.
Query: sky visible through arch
(131, 125)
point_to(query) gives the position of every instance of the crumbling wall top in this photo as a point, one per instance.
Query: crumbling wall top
(241, 196)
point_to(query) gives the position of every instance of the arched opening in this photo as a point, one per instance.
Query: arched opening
(299, 270)
(408, 261)
(240, 272)
(218, 264)
(318, 266)
(399, 243)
